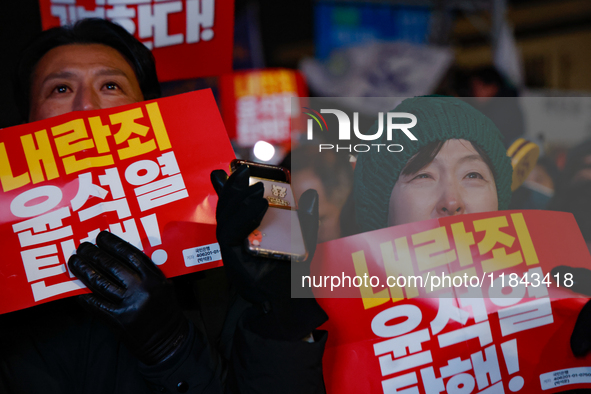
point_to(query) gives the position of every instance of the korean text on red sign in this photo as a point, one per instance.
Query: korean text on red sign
(496, 322)
(140, 171)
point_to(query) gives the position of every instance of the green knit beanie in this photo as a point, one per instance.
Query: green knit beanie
(438, 119)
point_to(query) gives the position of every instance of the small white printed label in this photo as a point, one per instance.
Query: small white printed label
(564, 377)
(202, 254)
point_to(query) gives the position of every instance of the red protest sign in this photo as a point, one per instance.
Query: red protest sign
(464, 336)
(140, 171)
(257, 105)
(189, 38)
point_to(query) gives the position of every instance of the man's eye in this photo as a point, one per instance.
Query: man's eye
(61, 89)
(474, 175)
(111, 86)
(422, 176)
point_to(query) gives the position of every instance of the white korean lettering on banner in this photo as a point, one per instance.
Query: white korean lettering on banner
(86, 190)
(47, 240)
(485, 367)
(403, 351)
(44, 225)
(199, 20)
(153, 22)
(128, 231)
(403, 354)
(113, 200)
(124, 13)
(149, 18)
(153, 192)
(527, 315)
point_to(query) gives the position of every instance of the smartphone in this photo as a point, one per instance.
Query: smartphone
(279, 235)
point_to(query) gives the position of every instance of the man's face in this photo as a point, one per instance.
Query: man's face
(482, 90)
(457, 181)
(81, 77)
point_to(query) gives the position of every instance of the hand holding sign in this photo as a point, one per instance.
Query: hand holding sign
(580, 340)
(264, 281)
(133, 295)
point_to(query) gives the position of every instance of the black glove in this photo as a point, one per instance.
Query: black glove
(580, 340)
(131, 292)
(262, 281)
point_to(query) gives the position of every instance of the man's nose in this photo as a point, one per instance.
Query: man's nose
(86, 99)
(450, 201)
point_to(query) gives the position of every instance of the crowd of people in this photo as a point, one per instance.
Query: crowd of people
(235, 329)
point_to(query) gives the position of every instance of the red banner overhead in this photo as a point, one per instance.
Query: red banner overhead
(189, 38)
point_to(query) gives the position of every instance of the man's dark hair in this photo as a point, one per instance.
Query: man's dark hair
(491, 76)
(87, 31)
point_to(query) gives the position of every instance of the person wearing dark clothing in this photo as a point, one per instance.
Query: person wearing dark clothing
(138, 331)
(573, 188)
(331, 175)
(487, 90)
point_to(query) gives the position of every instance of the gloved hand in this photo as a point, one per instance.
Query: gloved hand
(580, 340)
(131, 292)
(262, 281)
